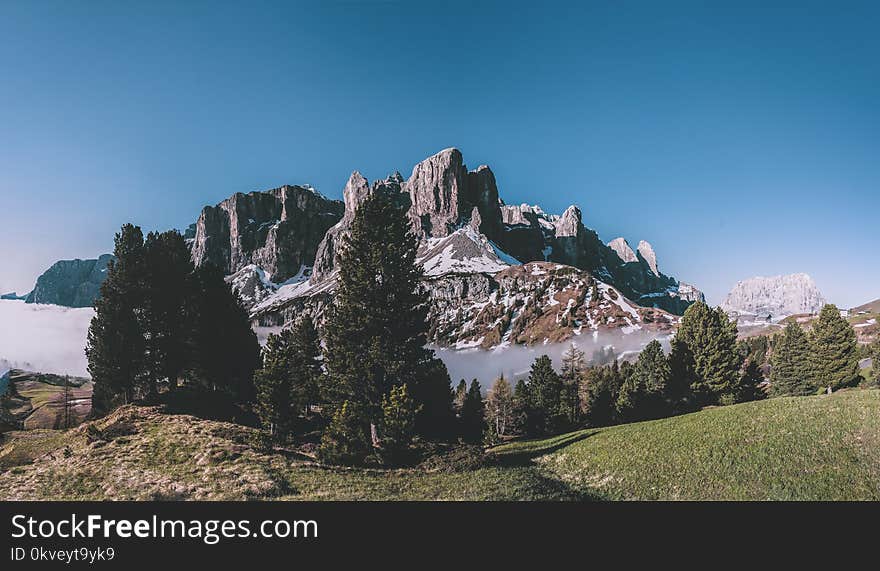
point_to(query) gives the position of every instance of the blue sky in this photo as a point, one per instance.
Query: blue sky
(739, 138)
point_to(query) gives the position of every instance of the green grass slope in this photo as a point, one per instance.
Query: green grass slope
(810, 448)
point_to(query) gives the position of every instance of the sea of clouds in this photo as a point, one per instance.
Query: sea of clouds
(52, 339)
(44, 338)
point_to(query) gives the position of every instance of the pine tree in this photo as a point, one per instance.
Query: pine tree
(520, 414)
(835, 352)
(276, 403)
(545, 389)
(473, 414)
(345, 441)
(287, 384)
(573, 367)
(791, 370)
(167, 273)
(115, 346)
(459, 396)
(750, 382)
(682, 376)
(644, 394)
(377, 329)
(711, 338)
(397, 426)
(225, 350)
(600, 393)
(500, 409)
(305, 366)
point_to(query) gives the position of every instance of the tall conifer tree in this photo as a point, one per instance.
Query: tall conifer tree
(791, 371)
(168, 270)
(377, 329)
(711, 338)
(115, 347)
(573, 367)
(473, 414)
(835, 352)
(225, 350)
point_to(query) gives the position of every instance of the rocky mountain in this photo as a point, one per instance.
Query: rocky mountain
(71, 283)
(278, 230)
(279, 249)
(472, 246)
(774, 297)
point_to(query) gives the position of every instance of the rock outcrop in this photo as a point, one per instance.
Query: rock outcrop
(278, 230)
(443, 194)
(646, 251)
(623, 250)
(774, 297)
(71, 283)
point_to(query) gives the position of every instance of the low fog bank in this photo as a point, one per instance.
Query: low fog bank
(52, 339)
(515, 361)
(44, 338)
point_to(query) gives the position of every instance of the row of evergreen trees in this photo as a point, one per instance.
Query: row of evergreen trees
(827, 357)
(160, 321)
(706, 366)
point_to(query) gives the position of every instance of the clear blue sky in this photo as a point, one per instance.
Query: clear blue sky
(739, 138)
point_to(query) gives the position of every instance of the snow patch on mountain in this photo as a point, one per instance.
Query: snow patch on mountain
(464, 251)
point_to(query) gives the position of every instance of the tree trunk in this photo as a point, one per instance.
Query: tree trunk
(374, 435)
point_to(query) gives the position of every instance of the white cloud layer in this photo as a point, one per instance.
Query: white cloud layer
(44, 338)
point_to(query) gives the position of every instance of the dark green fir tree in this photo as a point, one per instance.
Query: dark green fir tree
(791, 372)
(473, 414)
(376, 330)
(835, 352)
(116, 346)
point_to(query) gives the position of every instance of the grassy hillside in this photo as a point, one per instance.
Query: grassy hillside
(138, 453)
(810, 448)
(823, 447)
(36, 400)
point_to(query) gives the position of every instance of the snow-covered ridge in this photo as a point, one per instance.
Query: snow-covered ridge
(463, 251)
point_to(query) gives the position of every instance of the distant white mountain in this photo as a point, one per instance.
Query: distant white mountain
(776, 296)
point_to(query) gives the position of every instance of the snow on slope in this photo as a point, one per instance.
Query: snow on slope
(464, 251)
(44, 338)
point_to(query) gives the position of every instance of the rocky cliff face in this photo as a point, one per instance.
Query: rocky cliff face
(356, 191)
(278, 230)
(623, 250)
(775, 297)
(443, 194)
(72, 283)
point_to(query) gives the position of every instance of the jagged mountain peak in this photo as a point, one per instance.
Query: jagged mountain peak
(623, 250)
(647, 252)
(775, 296)
(442, 197)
